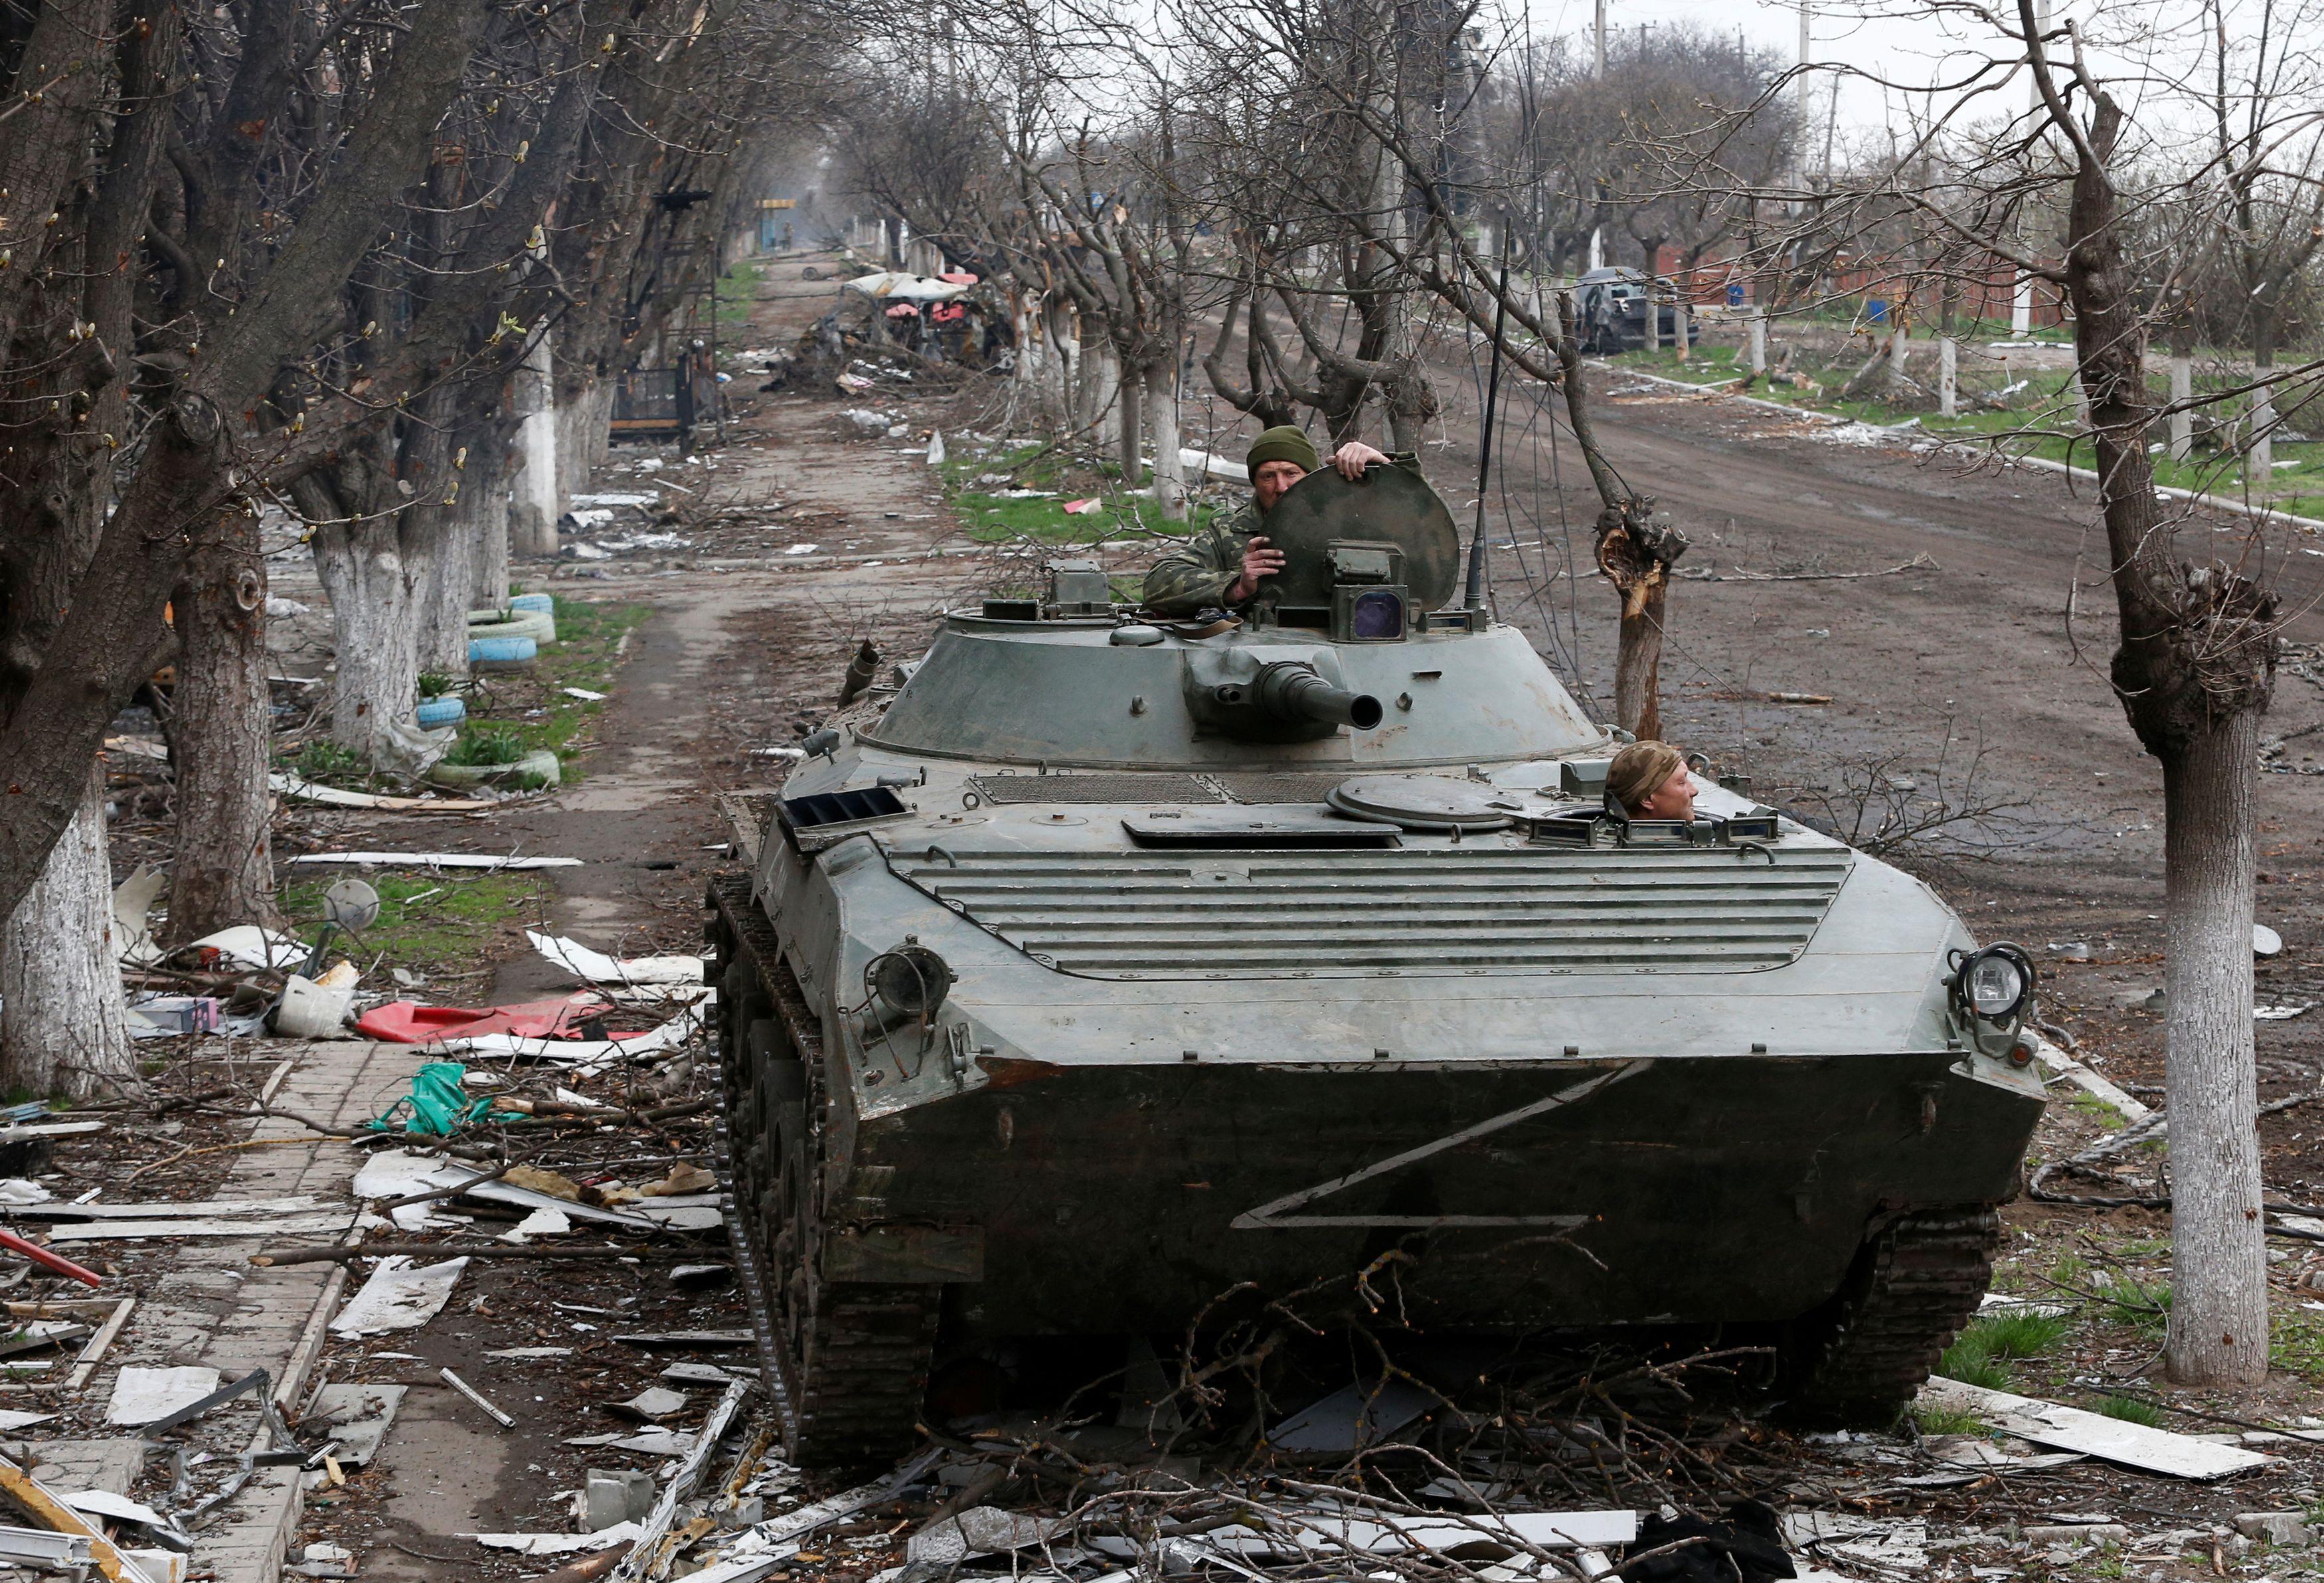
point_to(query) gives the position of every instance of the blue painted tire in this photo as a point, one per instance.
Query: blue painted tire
(435, 713)
(546, 604)
(502, 653)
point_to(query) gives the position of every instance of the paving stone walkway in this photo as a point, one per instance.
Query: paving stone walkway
(217, 1310)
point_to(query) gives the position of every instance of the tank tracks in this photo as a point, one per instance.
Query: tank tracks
(1858, 1360)
(846, 1363)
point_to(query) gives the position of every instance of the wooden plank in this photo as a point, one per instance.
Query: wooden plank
(2111, 1440)
(94, 1353)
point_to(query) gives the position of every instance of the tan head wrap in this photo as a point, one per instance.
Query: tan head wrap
(1639, 770)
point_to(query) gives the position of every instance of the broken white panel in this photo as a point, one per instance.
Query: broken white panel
(1352, 1418)
(1995, 1302)
(359, 1416)
(276, 1226)
(398, 1173)
(248, 945)
(103, 1503)
(980, 1530)
(1898, 1546)
(426, 861)
(596, 968)
(653, 1402)
(2111, 1440)
(2088, 1081)
(557, 1544)
(539, 1223)
(587, 1054)
(141, 1395)
(13, 1418)
(745, 1569)
(656, 1442)
(694, 1211)
(133, 906)
(398, 1297)
(195, 1209)
(525, 1353)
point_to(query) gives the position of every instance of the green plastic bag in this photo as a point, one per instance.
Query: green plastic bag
(438, 1105)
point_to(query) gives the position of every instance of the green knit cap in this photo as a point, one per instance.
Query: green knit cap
(1283, 443)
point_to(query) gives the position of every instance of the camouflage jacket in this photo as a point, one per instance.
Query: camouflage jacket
(1194, 576)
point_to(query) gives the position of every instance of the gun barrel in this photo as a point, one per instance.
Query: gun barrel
(1294, 692)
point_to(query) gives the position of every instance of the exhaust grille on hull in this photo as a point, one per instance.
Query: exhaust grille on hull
(1266, 915)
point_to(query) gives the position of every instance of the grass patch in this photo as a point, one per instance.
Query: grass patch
(1941, 1420)
(327, 763)
(2017, 1335)
(436, 684)
(2296, 1344)
(733, 297)
(2130, 1409)
(1982, 1353)
(2097, 1110)
(486, 745)
(533, 707)
(2145, 1308)
(430, 923)
(989, 516)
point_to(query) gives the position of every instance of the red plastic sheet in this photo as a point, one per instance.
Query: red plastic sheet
(407, 1022)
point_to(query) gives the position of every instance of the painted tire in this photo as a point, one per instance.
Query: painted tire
(540, 603)
(526, 624)
(541, 765)
(502, 653)
(435, 713)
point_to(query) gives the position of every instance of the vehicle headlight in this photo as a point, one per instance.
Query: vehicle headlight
(1996, 983)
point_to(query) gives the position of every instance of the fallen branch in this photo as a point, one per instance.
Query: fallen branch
(1918, 563)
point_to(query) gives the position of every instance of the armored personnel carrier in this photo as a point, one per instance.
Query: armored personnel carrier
(1101, 964)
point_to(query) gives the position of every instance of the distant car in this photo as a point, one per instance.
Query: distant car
(1610, 305)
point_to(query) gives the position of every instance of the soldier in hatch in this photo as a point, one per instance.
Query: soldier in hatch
(1220, 567)
(1650, 781)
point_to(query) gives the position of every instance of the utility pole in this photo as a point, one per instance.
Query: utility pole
(1598, 233)
(2021, 301)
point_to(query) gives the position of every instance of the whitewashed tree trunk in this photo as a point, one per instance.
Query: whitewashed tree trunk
(1162, 420)
(2218, 1252)
(1759, 340)
(442, 586)
(2182, 416)
(1101, 390)
(535, 504)
(63, 1025)
(375, 620)
(1130, 442)
(1947, 377)
(2259, 462)
(585, 417)
(482, 519)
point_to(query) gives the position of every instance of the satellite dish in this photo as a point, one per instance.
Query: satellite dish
(350, 905)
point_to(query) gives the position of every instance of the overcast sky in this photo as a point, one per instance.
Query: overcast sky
(2133, 41)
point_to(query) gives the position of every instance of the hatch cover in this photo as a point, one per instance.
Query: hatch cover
(1426, 801)
(1094, 788)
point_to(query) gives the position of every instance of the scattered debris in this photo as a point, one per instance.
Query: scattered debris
(1353, 1419)
(141, 1395)
(2111, 1440)
(398, 1297)
(472, 1394)
(598, 968)
(359, 1416)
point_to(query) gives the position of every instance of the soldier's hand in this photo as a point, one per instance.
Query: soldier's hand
(1353, 457)
(1259, 559)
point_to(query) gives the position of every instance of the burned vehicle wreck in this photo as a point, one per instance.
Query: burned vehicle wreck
(1099, 963)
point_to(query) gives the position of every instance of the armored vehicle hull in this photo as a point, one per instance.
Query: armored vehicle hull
(1042, 1020)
